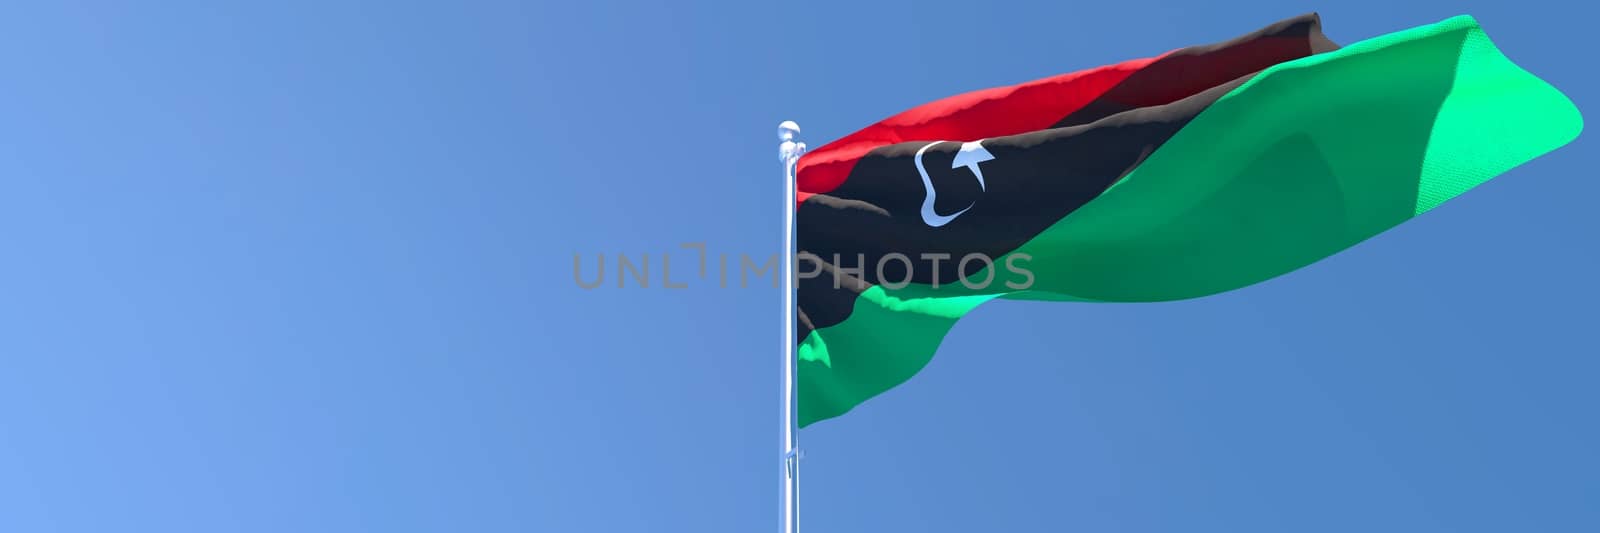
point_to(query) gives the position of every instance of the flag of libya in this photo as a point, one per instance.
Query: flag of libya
(1191, 173)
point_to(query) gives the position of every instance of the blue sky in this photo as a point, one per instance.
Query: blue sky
(306, 266)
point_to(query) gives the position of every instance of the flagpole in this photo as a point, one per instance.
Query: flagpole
(789, 152)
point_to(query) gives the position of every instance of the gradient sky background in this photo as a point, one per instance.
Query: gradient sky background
(307, 266)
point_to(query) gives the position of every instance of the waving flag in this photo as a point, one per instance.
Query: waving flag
(1191, 173)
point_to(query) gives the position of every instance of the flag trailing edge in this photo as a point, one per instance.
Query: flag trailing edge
(1196, 172)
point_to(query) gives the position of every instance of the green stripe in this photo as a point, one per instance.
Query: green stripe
(1306, 159)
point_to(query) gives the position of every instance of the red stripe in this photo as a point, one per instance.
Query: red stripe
(980, 114)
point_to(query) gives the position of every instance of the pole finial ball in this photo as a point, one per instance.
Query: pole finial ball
(788, 130)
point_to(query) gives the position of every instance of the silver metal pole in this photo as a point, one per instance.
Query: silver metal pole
(789, 152)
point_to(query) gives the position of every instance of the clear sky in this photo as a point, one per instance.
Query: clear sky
(307, 266)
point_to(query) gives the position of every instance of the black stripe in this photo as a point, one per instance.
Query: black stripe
(1205, 66)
